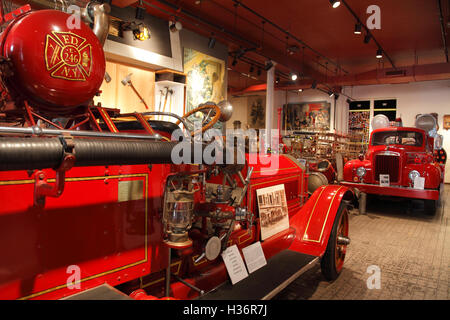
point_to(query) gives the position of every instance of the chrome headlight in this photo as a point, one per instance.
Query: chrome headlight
(361, 172)
(413, 174)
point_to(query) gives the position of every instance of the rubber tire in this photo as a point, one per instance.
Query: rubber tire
(430, 207)
(328, 261)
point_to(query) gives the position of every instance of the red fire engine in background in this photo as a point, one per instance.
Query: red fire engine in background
(87, 189)
(405, 162)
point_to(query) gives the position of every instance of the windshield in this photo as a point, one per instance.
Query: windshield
(405, 138)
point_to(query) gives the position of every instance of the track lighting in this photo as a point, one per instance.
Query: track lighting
(357, 28)
(367, 38)
(140, 11)
(175, 26)
(141, 32)
(212, 41)
(269, 64)
(331, 94)
(335, 3)
(379, 53)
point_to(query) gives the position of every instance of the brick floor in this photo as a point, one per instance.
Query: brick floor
(411, 249)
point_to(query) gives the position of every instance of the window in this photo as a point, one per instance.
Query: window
(405, 138)
(386, 107)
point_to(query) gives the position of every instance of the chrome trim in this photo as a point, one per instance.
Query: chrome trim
(76, 133)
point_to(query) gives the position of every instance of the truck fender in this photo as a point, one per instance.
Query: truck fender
(314, 221)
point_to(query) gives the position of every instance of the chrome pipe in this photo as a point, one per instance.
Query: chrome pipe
(76, 133)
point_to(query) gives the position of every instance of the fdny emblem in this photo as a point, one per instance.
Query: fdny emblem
(68, 56)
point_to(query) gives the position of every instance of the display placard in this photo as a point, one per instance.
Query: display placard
(273, 211)
(384, 180)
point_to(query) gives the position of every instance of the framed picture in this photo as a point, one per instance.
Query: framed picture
(273, 211)
(205, 78)
(307, 116)
(256, 112)
(447, 121)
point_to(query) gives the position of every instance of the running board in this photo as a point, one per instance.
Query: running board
(265, 283)
(102, 292)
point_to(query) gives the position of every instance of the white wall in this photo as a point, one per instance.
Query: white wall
(412, 99)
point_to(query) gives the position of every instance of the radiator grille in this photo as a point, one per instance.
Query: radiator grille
(387, 164)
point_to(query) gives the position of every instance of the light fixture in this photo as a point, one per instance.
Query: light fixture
(379, 53)
(335, 3)
(300, 90)
(314, 84)
(141, 32)
(140, 11)
(252, 68)
(361, 172)
(269, 64)
(331, 94)
(357, 28)
(277, 80)
(293, 76)
(234, 62)
(258, 72)
(212, 41)
(175, 26)
(367, 38)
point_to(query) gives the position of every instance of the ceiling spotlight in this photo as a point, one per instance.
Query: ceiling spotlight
(277, 80)
(300, 90)
(141, 32)
(357, 28)
(212, 41)
(314, 84)
(258, 72)
(379, 53)
(367, 38)
(293, 76)
(252, 68)
(331, 94)
(234, 62)
(269, 64)
(175, 26)
(335, 3)
(140, 11)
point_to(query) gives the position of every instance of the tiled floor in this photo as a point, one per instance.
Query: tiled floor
(412, 251)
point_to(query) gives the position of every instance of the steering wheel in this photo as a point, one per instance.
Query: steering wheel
(211, 114)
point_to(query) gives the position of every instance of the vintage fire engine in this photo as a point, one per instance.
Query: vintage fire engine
(93, 207)
(400, 162)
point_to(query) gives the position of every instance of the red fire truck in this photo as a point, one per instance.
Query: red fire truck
(93, 207)
(400, 162)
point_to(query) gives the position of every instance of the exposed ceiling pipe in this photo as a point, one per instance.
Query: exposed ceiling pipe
(290, 35)
(368, 32)
(444, 39)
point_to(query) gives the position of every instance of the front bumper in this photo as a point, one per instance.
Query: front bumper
(404, 192)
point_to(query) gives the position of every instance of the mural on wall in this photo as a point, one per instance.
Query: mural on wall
(307, 116)
(256, 107)
(205, 78)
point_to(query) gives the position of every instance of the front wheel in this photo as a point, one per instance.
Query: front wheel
(333, 260)
(430, 207)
